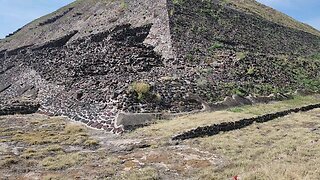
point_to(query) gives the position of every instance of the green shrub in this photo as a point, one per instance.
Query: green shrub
(216, 45)
(177, 1)
(158, 97)
(123, 5)
(239, 91)
(316, 57)
(251, 71)
(202, 82)
(141, 88)
(241, 55)
(189, 57)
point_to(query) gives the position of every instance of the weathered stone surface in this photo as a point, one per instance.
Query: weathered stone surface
(241, 100)
(86, 71)
(18, 107)
(132, 120)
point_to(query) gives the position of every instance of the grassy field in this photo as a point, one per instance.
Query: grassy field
(167, 129)
(286, 148)
(38, 146)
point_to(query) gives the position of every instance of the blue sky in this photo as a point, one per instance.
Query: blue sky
(307, 11)
(16, 13)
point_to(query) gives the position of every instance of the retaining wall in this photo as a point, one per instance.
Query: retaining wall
(229, 126)
(19, 108)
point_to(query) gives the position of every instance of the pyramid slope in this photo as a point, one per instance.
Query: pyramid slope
(94, 16)
(198, 25)
(256, 8)
(94, 60)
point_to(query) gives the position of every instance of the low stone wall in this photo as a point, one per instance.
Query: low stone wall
(237, 100)
(56, 42)
(55, 18)
(19, 108)
(132, 121)
(229, 126)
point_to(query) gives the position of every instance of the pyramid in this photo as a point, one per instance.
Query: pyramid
(95, 61)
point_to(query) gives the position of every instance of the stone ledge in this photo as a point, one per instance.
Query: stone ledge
(19, 107)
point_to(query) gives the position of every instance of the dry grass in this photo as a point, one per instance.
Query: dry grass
(53, 177)
(165, 128)
(287, 148)
(53, 131)
(43, 143)
(147, 173)
(57, 149)
(7, 161)
(63, 161)
(42, 152)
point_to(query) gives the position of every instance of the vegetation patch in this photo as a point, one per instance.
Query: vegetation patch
(315, 57)
(123, 5)
(141, 88)
(62, 161)
(144, 173)
(178, 2)
(43, 143)
(8, 161)
(216, 45)
(241, 55)
(251, 70)
(202, 82)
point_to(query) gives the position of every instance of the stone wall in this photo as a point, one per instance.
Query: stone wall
(17, 107)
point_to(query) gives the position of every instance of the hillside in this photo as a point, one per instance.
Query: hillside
(97, 61)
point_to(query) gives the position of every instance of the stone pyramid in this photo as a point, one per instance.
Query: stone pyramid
(96, 61)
